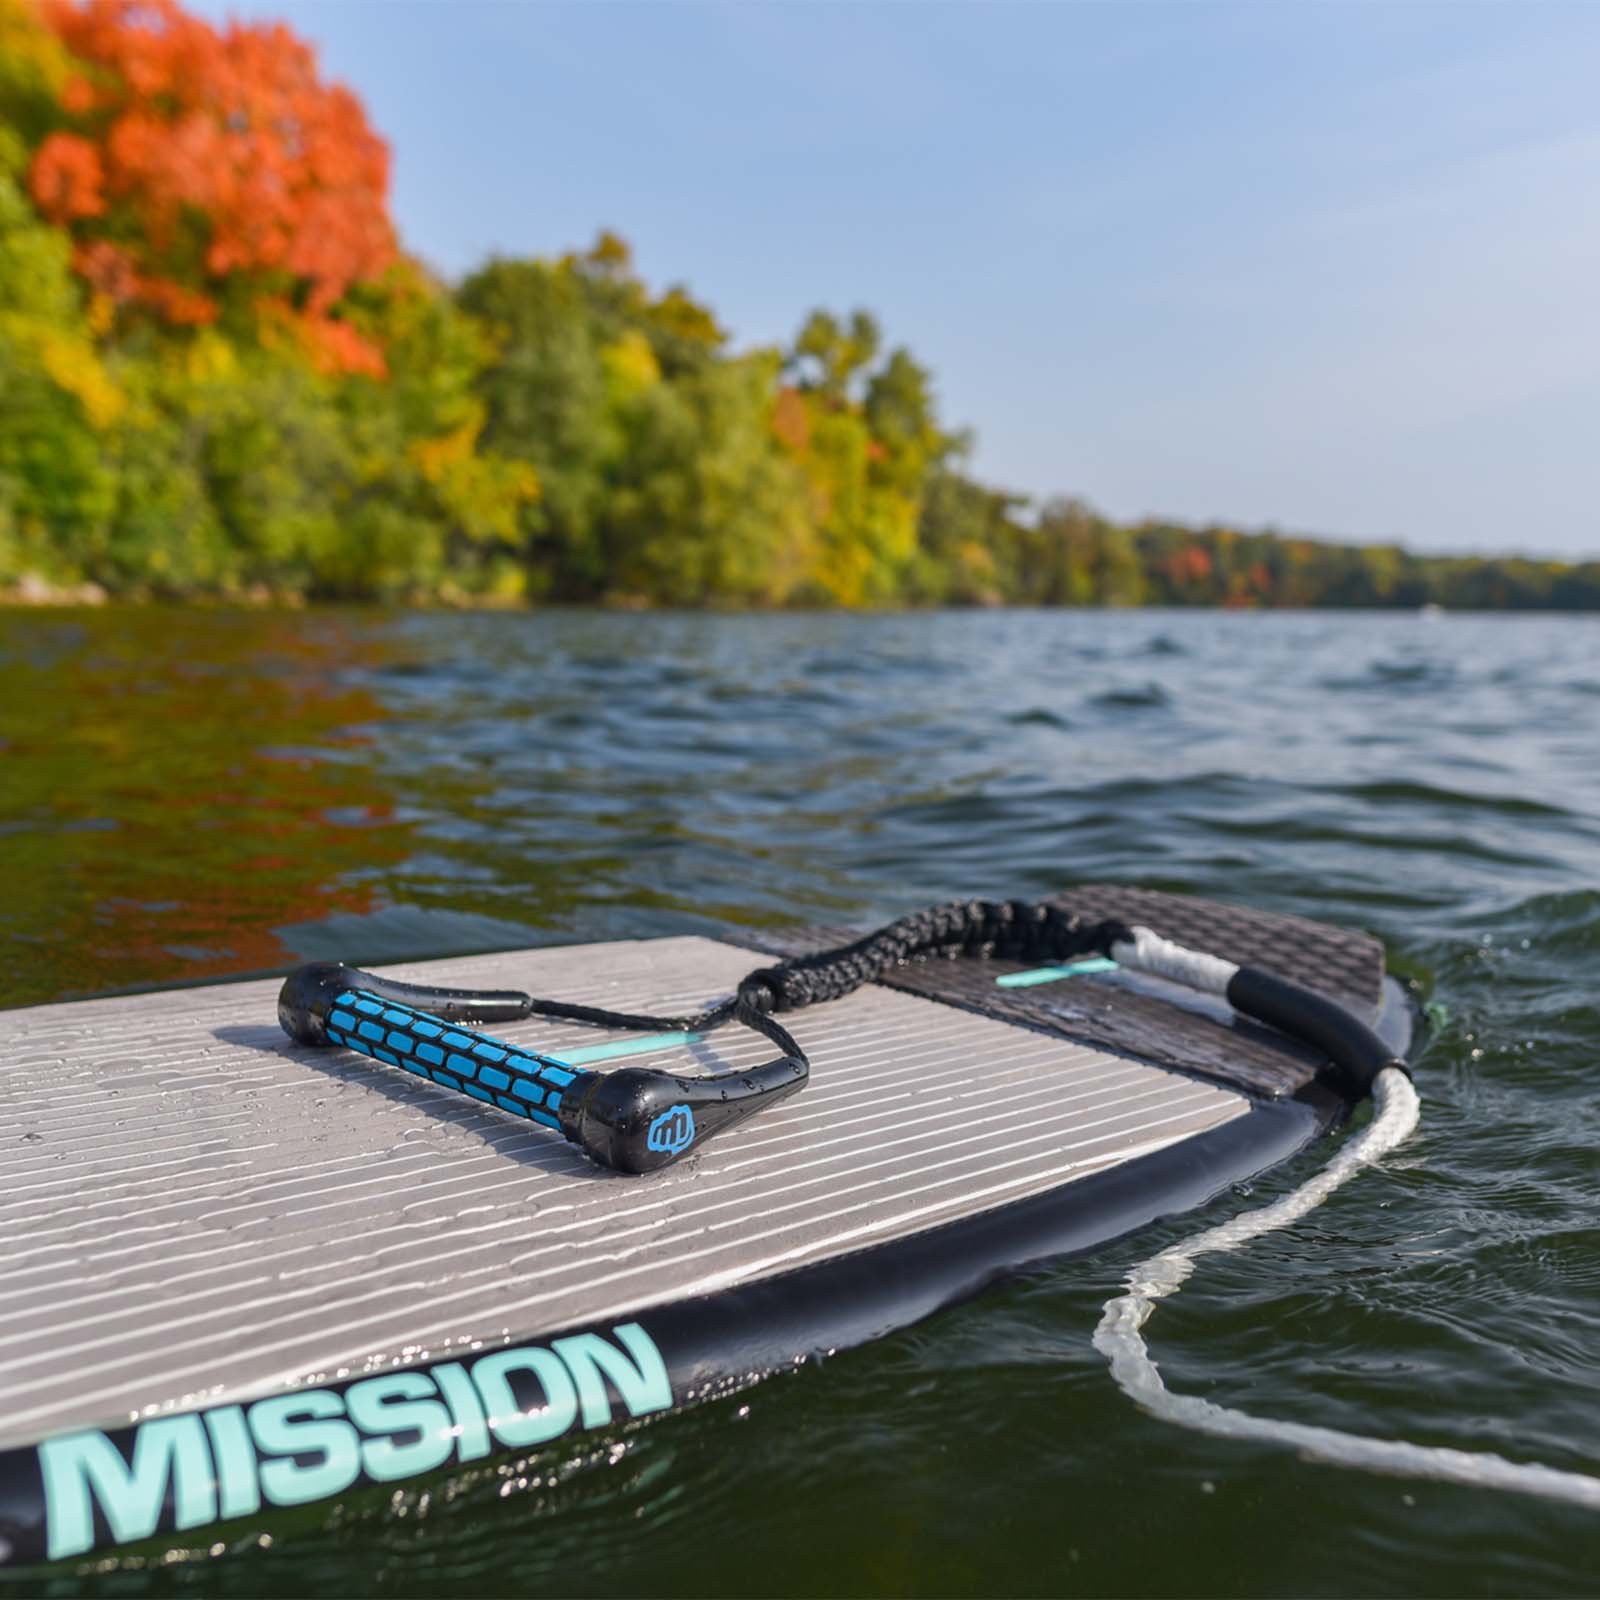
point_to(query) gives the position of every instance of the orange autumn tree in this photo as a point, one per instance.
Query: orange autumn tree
(200, 170)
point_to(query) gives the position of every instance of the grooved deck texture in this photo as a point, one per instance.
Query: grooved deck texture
(1141, 1016)
(191, 1206)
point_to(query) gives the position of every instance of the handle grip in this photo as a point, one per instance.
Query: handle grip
(633, 1120)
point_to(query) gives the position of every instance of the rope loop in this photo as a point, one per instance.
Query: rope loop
(983, 930)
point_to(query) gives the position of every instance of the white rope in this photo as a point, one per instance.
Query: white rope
(1119, 1340)
(1149, 952)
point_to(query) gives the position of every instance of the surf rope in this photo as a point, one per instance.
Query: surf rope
(1120, 1339)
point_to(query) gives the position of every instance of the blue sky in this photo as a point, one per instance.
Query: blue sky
(1332, 267)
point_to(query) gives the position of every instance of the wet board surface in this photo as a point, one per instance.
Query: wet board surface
(192, 1208)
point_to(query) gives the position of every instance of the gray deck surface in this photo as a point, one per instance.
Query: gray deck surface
(191, 1207)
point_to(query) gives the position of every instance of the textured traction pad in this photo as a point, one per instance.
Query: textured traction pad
(1344, 965)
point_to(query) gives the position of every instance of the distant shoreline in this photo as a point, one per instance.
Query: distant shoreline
(91, 597)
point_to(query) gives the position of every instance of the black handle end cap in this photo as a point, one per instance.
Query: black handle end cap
(306, 998)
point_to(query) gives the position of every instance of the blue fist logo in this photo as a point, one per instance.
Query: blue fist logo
(672, 1131)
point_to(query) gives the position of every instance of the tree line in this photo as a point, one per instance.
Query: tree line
(222, 376)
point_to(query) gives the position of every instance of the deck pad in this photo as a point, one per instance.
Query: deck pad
(1153, 1020)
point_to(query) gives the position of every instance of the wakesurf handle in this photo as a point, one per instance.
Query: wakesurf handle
(639, 1119)
(634, 1120)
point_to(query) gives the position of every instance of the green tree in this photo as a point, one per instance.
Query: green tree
(550, 403)
(56, 398)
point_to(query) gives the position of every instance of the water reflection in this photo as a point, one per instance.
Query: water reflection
(176, 786)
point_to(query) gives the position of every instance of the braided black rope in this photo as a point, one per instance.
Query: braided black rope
(1004, 930)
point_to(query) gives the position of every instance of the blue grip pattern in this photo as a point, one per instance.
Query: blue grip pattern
(488, 1069)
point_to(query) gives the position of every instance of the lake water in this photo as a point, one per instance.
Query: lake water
(188, 795)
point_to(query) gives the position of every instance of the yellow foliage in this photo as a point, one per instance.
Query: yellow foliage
(631, 364)
(435, 457)
(482, 494)
(842, 573)
(688, 319)
(976, 559)
(510, 582)
(74, 366)
(25, 42)
(209, 358)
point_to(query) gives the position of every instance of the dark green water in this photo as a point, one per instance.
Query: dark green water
(188, 795)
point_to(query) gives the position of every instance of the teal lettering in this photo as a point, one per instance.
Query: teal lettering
(395, 1403)
(311, 1423)
(239, 1495)
(642, 1381)
(80, 1469)
(466, 1408)
(513, 1426)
